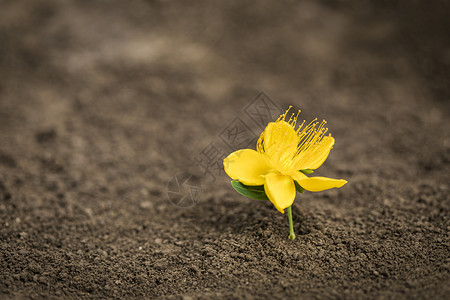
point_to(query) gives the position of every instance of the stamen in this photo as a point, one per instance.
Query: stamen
(281, 140)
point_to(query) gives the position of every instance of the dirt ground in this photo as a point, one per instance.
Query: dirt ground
(104, 105)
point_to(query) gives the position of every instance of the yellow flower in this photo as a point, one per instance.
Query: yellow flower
(282, 153)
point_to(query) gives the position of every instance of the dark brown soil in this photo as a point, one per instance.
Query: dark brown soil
(102, 103)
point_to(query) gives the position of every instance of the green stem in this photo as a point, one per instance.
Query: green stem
(291, 225)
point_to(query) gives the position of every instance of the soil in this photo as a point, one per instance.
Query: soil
(102, 103)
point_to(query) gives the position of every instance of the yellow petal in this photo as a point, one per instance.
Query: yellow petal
(314, 157)
(280, 189)
(279, 142)
(247, 166)
(317, 184)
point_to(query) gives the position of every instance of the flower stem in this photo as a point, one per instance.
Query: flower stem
(291, 225)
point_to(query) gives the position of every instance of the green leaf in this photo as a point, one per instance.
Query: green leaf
(307, 171)
(298, 187)
(255, 192)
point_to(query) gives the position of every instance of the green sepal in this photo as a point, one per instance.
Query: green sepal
(251, 191)
(307, 171)
(298, 187)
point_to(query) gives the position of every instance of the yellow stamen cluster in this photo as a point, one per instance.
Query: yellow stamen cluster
(286, 147)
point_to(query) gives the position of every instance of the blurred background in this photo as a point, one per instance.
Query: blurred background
(103, 102)
(149, 84)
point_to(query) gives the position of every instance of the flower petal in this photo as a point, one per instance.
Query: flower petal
(279, 142)
(314, 157)
(247, 166)
(317, 184)
(280, 189)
